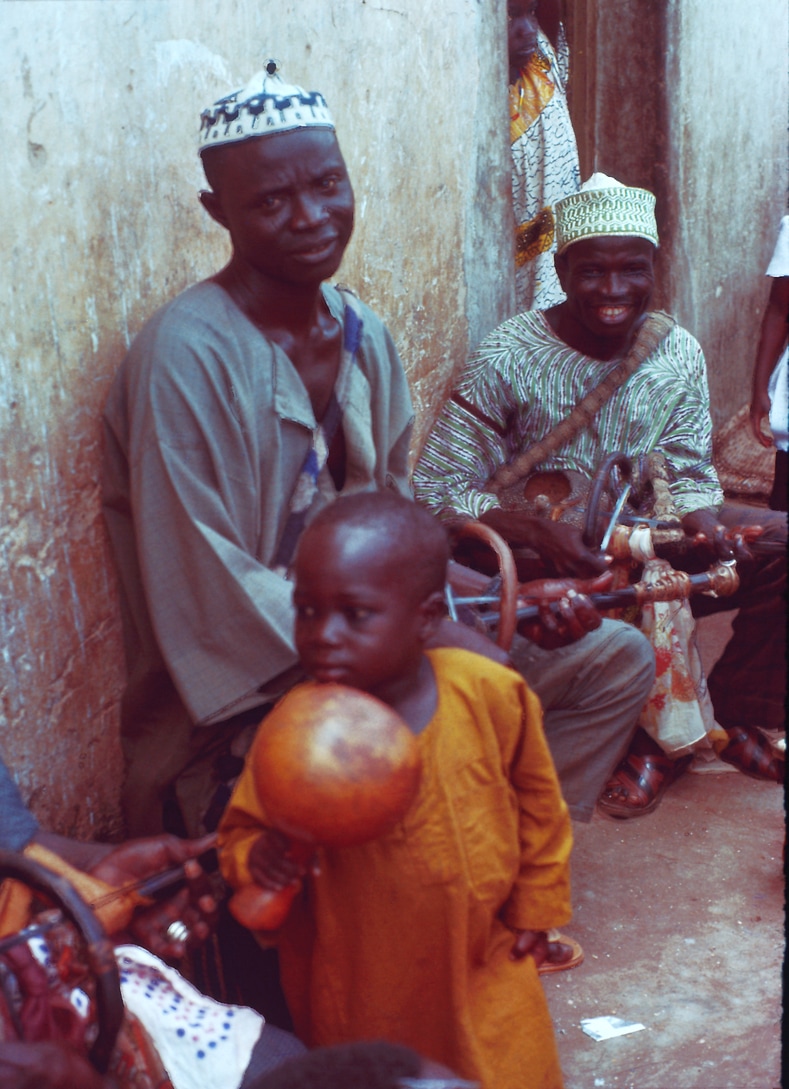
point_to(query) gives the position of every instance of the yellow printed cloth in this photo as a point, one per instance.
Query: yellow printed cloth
(530, 95)
(545, 168)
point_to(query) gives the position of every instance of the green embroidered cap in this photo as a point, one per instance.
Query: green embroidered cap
(604, 207)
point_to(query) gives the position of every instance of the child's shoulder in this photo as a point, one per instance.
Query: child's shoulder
(466, 669)
(478, 663)
(481, 702)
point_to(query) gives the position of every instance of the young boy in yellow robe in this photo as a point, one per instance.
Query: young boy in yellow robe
(427, 936)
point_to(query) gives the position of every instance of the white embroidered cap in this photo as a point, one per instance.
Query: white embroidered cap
(266, 105)
(604, 207)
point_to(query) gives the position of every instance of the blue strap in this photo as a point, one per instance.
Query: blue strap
(307, 482)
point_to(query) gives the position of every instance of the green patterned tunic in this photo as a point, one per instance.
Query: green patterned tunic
(523, 380)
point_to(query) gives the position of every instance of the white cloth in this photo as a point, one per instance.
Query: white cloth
(779, 264)
(678, 713)
(778, 392)
(200, 1042)
(778, 388)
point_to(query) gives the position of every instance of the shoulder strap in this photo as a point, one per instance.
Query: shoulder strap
(655, 328)
(318, 453)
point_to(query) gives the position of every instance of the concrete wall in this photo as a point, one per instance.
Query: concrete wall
(729, 65)
(101, 225)
(689, 99)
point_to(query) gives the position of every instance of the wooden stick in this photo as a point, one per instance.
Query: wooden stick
(722, 581)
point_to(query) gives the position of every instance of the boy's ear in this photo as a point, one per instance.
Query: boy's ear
(432, 610)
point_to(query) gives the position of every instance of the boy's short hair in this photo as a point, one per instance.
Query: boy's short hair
(405, 529)
(372, 1064)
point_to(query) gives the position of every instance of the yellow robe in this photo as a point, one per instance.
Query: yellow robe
(406, 938)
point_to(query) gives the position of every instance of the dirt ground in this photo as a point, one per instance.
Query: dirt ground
(681, 917)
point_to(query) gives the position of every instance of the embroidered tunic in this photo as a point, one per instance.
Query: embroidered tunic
(523, 380)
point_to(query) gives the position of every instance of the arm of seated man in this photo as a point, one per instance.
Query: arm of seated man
(126, 864)
(193, 905)
(557, 543)
(707, 531)
(566, 612)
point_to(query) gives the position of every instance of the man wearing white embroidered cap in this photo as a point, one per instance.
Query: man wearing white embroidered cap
(516, 394)
(264, 106)
(245, 405)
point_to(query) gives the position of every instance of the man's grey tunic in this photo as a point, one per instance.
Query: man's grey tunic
(207, 427)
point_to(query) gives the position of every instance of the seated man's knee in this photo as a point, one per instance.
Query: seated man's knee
(634, 656)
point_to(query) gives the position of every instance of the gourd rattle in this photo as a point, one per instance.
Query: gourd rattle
(333, 767)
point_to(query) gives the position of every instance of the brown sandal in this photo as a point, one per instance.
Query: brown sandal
(753, 754)
(563, 953)
(639, 783)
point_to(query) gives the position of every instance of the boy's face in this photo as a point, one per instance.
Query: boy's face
(356, 621)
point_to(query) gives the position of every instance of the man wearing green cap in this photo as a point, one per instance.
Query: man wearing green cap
(520, 387)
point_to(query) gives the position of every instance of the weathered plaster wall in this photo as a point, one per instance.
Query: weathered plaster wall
(689, 98)
(618, 96)
(101, 225)
(728, 64)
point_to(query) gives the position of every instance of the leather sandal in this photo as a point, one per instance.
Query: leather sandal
(753, 754)
(639, 783)
(563, 953)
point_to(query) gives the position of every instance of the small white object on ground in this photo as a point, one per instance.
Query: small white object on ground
(606, 1028)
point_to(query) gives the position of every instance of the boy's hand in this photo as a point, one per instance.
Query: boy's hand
(544, 946)
(271, 864)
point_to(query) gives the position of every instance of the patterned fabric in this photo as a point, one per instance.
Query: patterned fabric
(678, 713)
(135, 1063)
(544, 169)
(523, 380)
(172, 1037)
(200, 1042)
(49, 990)
(605, 208)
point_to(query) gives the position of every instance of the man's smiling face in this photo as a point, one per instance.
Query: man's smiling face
(609, 283)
